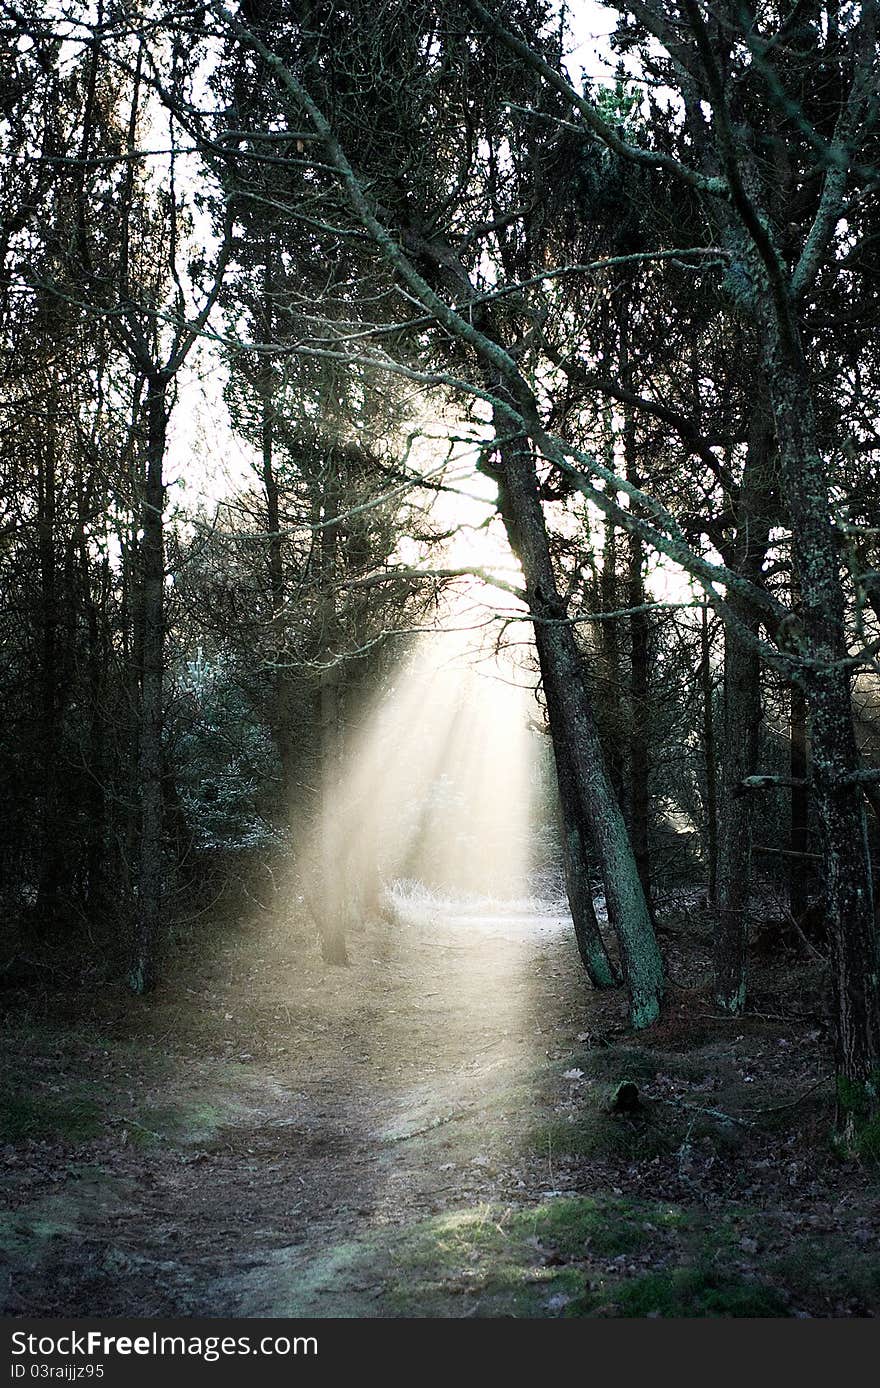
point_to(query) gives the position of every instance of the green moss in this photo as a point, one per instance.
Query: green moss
(534, 1262)
(858, 1118)
(858, 1097)
(733, 1003)
(606, 1227)
(560, 1258)
(487, 1260)
(77, 1110)
(644, 1009)
(851, 1095)
(185, 1123)
(62, 1220)
(495, 1258)
(867, 1141)
(69, 1118)
(698, 1293)
(83, 1113)
(599, 968)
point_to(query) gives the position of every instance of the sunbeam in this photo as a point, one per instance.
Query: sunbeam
(436, 788)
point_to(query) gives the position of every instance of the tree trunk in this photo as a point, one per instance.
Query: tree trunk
(709, 756)
(800, 877)
(610, 685)
(334, 877)
(152, 611)
(51, 838)
(742, 720)
(640, 709)
(279, 715)
(839, 806)
(334, 874)
(639, 636)
(95, 867)
(575, 734)
(598, 966)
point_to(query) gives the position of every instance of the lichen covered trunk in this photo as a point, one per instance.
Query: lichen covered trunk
(591, 947)
(851, 924)
(839, 805)
(640, 710)
(573, 723)
(742, 717)
(800, 878)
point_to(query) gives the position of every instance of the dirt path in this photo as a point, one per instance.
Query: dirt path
(426, 1132)
(391, 1114)
(308, 1109)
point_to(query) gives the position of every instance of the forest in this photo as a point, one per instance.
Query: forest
(440, 622)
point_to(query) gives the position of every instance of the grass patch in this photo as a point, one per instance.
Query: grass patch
(867, 1142)
(616, 1063)
(565, 1257)
(486, 1260)
(573, 1257)
(829, 1271)
(183, 1124)
(595, 1133)
(73, 1117)
(698, 1293)
(537, 1262)
(61, 1217)
(77, 1087)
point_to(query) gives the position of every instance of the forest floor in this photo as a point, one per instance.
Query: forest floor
(428, 1132)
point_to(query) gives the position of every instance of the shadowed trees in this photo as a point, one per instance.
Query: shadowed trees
(645, 308)
(726, 96)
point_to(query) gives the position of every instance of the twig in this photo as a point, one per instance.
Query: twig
(709, 1112)
(786, 852)
(791, 1103)
(430, 1127)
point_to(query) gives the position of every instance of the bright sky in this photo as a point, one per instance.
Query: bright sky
(590, 25)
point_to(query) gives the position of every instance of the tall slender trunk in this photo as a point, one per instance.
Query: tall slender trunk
(591, 947)
(51, 837)
(335, 884)
(742, 723)
(742, 720)
(575, 734)
(799, 876)
(839, 804)
(638, 733)
(710, 759)
(270, 487)
(639, 691)
(334, 878)
(610, 686)
(151, 710)
(266, 388)
(95, 875)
